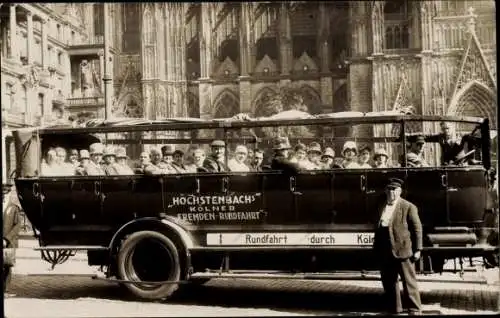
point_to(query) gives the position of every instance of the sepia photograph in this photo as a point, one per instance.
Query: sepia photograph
(259, 158)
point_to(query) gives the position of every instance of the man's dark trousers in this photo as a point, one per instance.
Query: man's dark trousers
(390, 269)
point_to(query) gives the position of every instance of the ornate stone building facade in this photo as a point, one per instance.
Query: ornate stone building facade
(218, 59)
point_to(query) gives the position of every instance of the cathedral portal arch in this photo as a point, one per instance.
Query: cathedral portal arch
(474, 99)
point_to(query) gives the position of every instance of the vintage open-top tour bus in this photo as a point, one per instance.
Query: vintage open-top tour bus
(154, 232)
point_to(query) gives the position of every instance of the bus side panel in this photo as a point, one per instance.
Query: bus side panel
(466, 194)
(147, 196)
(314, 195)
(426, 188)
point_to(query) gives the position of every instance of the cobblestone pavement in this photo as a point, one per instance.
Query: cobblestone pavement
(65, 296)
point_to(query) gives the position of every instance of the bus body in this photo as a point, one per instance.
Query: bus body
(172, 227)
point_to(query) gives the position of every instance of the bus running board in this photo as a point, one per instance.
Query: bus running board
(71, 248)
(326, 276)
(262, 276)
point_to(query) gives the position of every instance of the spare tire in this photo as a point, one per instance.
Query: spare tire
(149, 256)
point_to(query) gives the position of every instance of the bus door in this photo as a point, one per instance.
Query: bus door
(245, 193)
(466, 195)
(147, 194)
(376, 181)
(116, 207)
(177, 191)
(349, 197)
(87, 200)
(314, 197)
(279, 198)
(57, 210)
(426, 188)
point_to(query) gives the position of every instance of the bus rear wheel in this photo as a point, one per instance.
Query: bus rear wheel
(149, 256)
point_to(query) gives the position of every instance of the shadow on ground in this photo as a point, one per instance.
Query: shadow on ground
(300, 296)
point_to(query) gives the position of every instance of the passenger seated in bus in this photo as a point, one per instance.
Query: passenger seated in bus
(94, 167)
(257, 160)
(109, 158)
(450, 144)
(215, 162)
(327, 158)
(122, 167)
(380, 158)
(167, 152)
(73, 158)
(237, 163)
(156, 161)
(416, 151)
(198, 159)
(64, 167)
(300, 157)
(349, 152)
(280, 161)
(50, 166)
(178, 163)
(143, 162)
(314, 156)
(364, 157)
(84, 161)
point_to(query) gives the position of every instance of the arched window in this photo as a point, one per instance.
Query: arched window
(266, 21)
(397, 24)
(303, 22)
(131, 28)
(99, 19)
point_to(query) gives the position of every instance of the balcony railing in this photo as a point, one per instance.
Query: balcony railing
(452, 32)
(85, 101)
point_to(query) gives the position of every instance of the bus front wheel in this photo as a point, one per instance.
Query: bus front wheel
(148, 258)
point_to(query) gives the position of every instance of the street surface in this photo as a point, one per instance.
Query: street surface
(80, 296)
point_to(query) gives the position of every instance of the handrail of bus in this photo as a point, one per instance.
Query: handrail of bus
(238, 124)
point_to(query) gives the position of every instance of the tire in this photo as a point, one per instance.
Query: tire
(163, 265)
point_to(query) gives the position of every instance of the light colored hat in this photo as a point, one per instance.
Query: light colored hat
(314, 147)
(84, 154)
(167, 150)
(108, 151)
(121, 152)
(218, 143)
(349, 145)
(380, 152)
(281, 143)
(241, 149)
(329, 152)
(96, 148)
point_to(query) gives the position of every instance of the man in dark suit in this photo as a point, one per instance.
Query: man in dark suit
(280, 161)
(397, 244)
(216, 161)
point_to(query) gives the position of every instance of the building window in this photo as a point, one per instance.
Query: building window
(59, 59)
(228, 48)
(397, 25)
(267, 46)
(131, 28)
(73, 37)
(99, 19)
(58, 32)
(305, 44)
(9, 96)
(40, 105)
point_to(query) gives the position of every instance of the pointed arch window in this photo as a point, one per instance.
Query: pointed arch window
(131, 28)
(397, 24)
(99, 19)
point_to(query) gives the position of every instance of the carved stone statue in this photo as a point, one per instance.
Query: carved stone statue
(86, 77)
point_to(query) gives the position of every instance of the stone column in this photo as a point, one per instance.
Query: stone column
(14, 48)
(45, 48)
(285, 40)
(29, 36)
(160, 46)
(206, 41)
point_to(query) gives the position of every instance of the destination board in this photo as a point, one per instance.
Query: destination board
(235, 208)
(293, 239)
